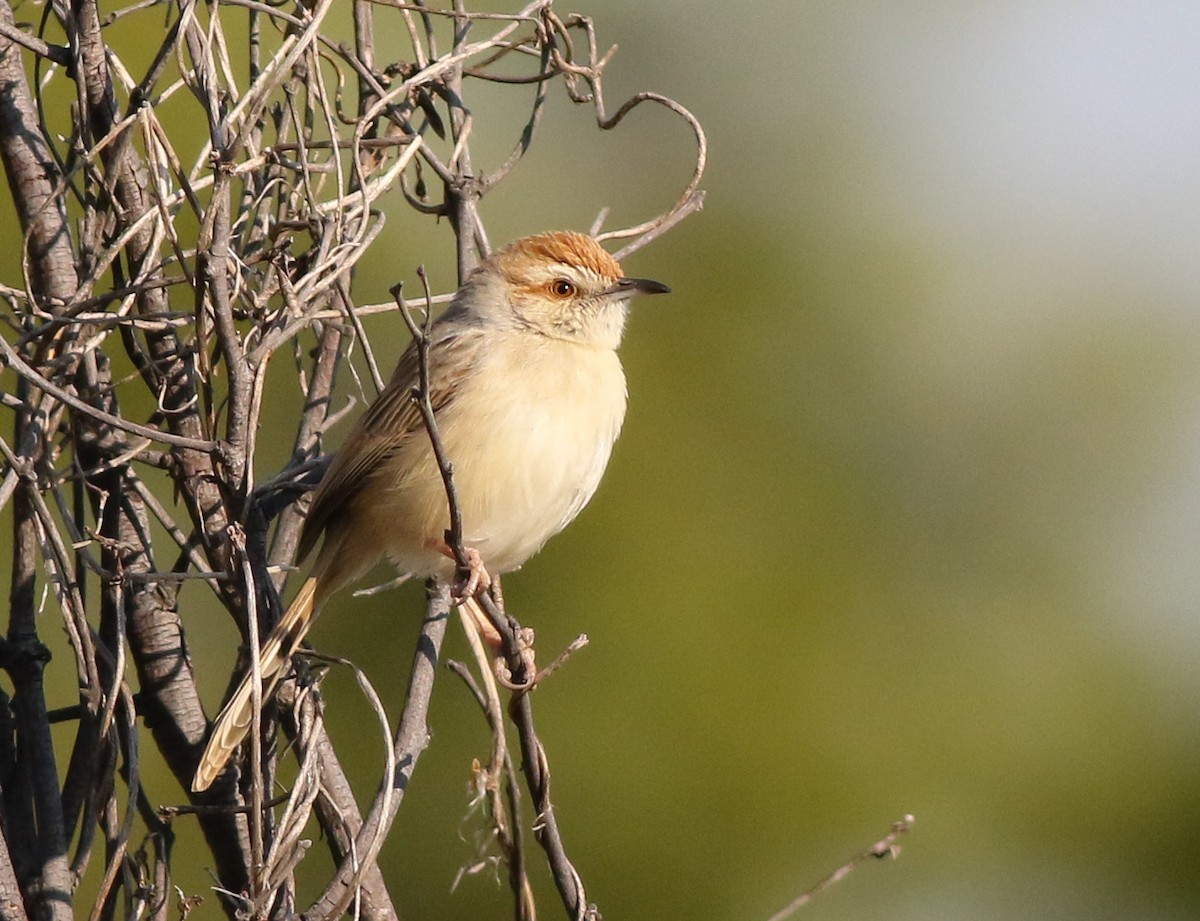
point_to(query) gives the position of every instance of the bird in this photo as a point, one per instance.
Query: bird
(529, 397)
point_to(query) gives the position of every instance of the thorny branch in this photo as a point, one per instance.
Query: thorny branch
(188, 212)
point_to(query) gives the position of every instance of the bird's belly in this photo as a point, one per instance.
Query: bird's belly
(528, 453)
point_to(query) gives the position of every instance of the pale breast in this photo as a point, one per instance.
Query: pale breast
(529, 438)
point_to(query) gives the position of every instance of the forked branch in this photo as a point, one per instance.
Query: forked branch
(172, 283)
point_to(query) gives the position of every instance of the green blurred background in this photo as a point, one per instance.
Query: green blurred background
(904, 517)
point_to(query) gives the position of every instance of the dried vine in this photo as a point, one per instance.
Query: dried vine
(161, 272)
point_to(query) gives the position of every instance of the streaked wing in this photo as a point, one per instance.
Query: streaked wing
(388, 423)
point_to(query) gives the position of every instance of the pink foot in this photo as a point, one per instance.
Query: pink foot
(477, 579)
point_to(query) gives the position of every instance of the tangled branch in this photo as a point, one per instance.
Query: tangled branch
(164, 266)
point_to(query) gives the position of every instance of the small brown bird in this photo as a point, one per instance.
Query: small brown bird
(529, 397)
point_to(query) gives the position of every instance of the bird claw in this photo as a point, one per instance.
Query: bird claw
(477, 580)
(528, 666)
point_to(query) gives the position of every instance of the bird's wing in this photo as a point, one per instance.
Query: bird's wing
(388, 423)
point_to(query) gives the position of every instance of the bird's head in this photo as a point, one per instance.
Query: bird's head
(563, 285)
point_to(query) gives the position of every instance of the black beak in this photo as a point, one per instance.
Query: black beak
(638, 286)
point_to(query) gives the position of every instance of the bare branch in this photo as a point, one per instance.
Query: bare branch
(518, 648)
(885, 847)
(412, 737)
(335, 805)
(13, 360)
(264, 217)
(32, 177)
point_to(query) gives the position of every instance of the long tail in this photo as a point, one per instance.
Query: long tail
(234, 721)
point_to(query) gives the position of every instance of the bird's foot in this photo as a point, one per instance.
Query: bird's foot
(477, 578)
(527, 668)
(483, 624)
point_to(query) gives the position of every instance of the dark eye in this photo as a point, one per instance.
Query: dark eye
(561, 287)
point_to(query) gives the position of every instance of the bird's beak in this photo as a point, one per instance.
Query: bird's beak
(631, 286)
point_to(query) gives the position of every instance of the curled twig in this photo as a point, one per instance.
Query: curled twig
(263, 214)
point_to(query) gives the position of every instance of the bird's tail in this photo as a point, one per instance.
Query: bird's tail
(233, 722)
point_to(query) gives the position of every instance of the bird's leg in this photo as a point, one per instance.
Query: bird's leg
(483, 625)
(524, 648)
(497, 593)
(529, 669)
(465, 596)
(477, 577)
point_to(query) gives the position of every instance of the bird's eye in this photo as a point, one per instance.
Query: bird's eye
(561, 287)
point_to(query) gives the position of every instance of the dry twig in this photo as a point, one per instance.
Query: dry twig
(885, 847)
(192, 261)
